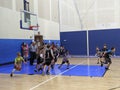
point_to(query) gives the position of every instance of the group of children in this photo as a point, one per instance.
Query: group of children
(47, 55)
(104, 56)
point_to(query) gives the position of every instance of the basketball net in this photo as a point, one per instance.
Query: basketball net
(33, 27)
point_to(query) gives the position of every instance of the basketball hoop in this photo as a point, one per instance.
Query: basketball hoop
(33, 27)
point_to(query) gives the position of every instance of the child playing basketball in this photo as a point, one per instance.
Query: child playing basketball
(103, 50)
(65, 59)
(40, 59)
(17, 64)
(56, 54)
(48, 59)
(107, 56)
(25, 51)
(98, 54)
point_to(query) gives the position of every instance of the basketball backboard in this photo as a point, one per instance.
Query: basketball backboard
(28, 20)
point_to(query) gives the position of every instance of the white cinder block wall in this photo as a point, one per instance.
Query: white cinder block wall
(93, 14)
(10, 19)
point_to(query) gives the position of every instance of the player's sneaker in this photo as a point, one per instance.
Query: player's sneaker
(67, 67)
(107, 68)
(47, 72)
(59, 67)
(52, 67)
(43, 73)
(11, 75)
(35, 70)
(101, 64)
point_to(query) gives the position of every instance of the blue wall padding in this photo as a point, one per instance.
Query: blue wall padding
(9, 48)
(100, 37)
(75, 42)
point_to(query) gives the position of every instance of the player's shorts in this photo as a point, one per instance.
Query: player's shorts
(48, 61)
(39, 60)
(108, 60)
(99, 55)
(17, 67)
(65, 61)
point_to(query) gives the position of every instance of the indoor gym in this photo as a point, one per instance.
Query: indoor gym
(78, 25)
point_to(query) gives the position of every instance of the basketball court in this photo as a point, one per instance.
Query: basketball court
(78, 25)
(64, 80)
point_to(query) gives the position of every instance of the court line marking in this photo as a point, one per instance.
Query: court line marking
(54, 77)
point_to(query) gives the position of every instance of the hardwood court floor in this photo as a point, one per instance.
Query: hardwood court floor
(111, 80)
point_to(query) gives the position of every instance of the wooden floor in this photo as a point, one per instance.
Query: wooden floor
(111, 80)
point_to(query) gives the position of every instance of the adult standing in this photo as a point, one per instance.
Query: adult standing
(33, 50)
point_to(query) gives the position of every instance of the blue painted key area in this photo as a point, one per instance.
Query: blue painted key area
(74, 70)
